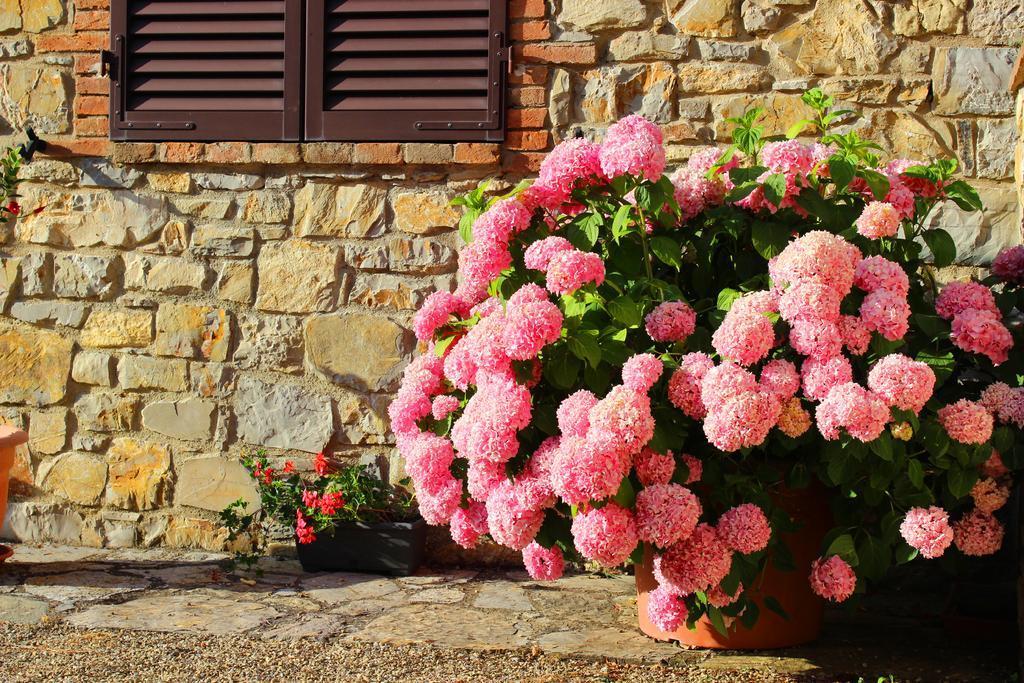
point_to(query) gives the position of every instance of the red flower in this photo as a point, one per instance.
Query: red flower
(289, 467)
(320, 464)
(14, 208)
(303, 531)
(309, 498)
(331, 503)
(268, 476)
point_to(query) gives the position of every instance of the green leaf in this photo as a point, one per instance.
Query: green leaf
(562, 369)
(466, 225)
(743, 174)
(932, 325)
(965, 196)
(740, 191)
(905, 553)
(1002, 439)
(942, 246)
(775, 606)
(960, 480)
(774, 188)
(843, 546)
(841, 171)
(620, 224)
(798, 128)
(941, 364)
(769, 239)
(875, 557)
(626, 494)
(882, 446)
(878, 183)
(715, 616)
(668, 251)
(625, 310)
(726, 297)
(442, 345)
(584, 346)
(915, 473)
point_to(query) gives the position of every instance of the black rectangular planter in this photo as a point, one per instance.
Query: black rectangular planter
(394, 548)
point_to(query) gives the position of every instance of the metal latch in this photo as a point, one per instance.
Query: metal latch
(109, 64)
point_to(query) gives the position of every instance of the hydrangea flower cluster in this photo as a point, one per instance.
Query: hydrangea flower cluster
(586, 395)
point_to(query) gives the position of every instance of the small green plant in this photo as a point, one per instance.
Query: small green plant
(310, 506)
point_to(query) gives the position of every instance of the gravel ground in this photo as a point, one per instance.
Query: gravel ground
(54, 652)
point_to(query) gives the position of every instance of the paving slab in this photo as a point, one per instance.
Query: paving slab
(209, 614)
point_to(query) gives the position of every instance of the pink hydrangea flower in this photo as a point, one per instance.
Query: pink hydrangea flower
(989, 495)
(957, 297)
(756, 303)
(780, 377)
(966, 421)
(443, 406)
(468, 524)
(622, 421)
(878, 272)
(919, 186)
(502, 221)
(833, 579)
(666, 610)
(744, 529)
(818, 256)
(723, 382)
(671, 321)
(982, 332)
(665, 514)
(810, 301)
(654, 468)
(480, 262)
(434, 313)
(978, 533)
(994, 467)
(995, 396)
(641, 371)
(633, 146)
(510, 518)
(483, 477)
(491, 419)
(900, 197)
(543, 564)
(820, 376)
(1008, 265)
(527, 294)
(694, 467)
(459, 367)
(573, 413)
(719, 598)
(698, 562)
(582, 471)
(539, 254)
(427, 459)
(902, 382)
(606, 535)
(743, 421)
(851, 406)
(684, 387)
(793, 420)
(887, 313)
(744, 338)
(879, 219)
(856, 336)
(570, 270)
(529, 327)
(571, 164)
(437, 508)
(927, 530)
(816, 338)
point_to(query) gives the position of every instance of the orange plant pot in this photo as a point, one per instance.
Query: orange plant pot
(809, 508)
(10, 438)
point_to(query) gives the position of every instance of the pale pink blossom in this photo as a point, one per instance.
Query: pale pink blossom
(434, 313)
(877, 272)
(543, 564)
(468, 524)
(665, 514)
(854, 408)
(641, 371)
(622, 421)
(571, 164)
(816, 338)
(582, 471)
(666, 610)
(742, 421)
(744, 528)
(744, 338)
(570, 270)
(978, 533)
(503, 220)
(539, 254)
(820, 376)
(902, 382)
(780, 377)
(671, 321)
(810, 301)
(966, 421)
(654, 468)
(607, 535)
(529, 327)
(443, 406)
(573, 413)
(723, 382)
(989, 495)
(957, 297)
(856, 336)
(1008, 265)
(878, 219)
(694, 468)
(633, 146)
(684, 387)
(982, 332)
(927, 530)
(833, 579)
(698, 562)
(887, 313)
(817, 256)
(512, 520)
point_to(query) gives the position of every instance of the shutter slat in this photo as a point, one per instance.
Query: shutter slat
(157, 27)
(405, 64)
(161, 8)
(403, 6)
(425, 103)
(198, 103)
(411, 25)
(411, 45)
(172, 65)
(400, 84)
(227, 84)
(210, 47)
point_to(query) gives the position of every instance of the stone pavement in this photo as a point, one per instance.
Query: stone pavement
(167, 591)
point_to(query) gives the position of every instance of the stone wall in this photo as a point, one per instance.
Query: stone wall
(175, 304)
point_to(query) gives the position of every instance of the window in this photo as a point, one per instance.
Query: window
(395, 70)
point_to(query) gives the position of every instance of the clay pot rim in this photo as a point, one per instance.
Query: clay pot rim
(12, 436)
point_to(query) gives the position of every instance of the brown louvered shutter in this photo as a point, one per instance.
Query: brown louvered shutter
(209, 70)
(406, 69)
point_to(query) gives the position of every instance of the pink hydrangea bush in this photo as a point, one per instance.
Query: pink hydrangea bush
(633, 364)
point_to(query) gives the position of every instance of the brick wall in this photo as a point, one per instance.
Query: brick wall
(177, 303)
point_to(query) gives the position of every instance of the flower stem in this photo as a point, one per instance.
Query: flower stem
(643, 242)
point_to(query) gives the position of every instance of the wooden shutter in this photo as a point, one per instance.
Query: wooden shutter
(205, 69)
(406, 69)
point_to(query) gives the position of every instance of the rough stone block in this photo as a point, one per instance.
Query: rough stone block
(190, 331)
(84, 277)
(117, 328)
(139, 474)
(282, 416)
(76, 477)
(47, 432)
(50, 312)
(270, 342)
(141, 372)
(235, 282)
(107, 412)
(93, 367)
(191, 419)
(973, 80)
(423, 212)
(298, 277)
(267, 207)
(359, 350)
(34, 367)
(214, 482)
(325, 210)
(168, 275)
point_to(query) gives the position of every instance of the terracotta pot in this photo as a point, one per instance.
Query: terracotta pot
(808, 507)
(10, 438)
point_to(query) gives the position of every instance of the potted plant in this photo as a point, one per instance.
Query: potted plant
(743, 379)
(344, 520)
